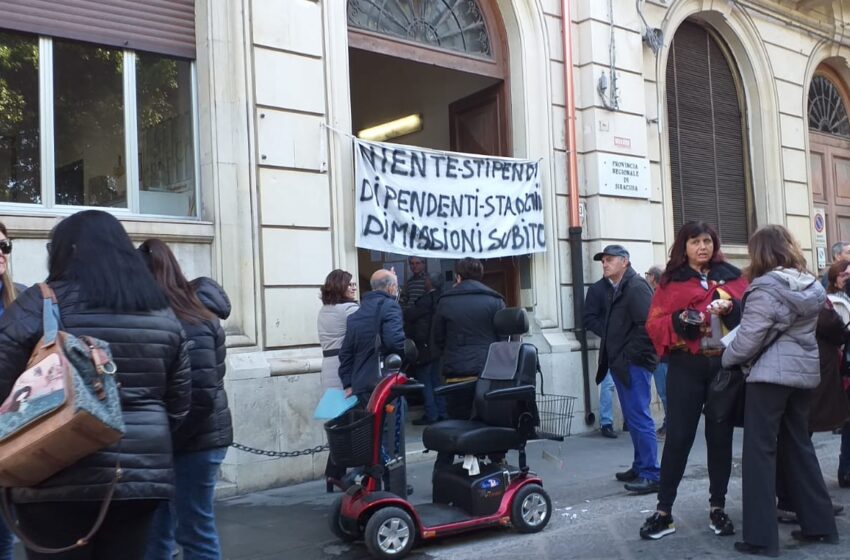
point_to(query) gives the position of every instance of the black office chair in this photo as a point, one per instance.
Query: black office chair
(504, 413)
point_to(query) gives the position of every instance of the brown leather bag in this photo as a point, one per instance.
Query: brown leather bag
(64, 407)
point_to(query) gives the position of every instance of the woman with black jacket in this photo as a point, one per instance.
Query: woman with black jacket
(105, 291)
(201, 442)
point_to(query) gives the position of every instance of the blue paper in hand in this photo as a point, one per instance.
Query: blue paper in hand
(333, 403)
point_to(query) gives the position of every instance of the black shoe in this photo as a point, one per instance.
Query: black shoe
(798, 535)
(787, 517)
(720, 523)
(626, 476)
(608, 431)
(657, 526)
(837, 509)
(747, 548)
(642, 486)
(424, 421)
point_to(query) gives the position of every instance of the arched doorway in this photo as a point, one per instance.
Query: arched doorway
(707, 132)
(829, 153)
(447, 62)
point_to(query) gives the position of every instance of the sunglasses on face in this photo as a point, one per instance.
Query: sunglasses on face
(6, 246)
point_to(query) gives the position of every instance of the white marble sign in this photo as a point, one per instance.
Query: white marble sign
(623, 176)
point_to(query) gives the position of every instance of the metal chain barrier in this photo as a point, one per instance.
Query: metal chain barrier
(280, 454)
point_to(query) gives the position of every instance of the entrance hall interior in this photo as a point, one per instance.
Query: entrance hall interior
(460, 111)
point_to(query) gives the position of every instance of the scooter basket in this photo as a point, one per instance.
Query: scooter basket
(556, 415)
(350, 438)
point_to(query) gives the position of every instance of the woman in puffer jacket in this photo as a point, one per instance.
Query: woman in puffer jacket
(201, 442)
(104, 291)
(780, 312)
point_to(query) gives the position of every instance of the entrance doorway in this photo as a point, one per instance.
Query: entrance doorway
(456, 81)
(829, 152)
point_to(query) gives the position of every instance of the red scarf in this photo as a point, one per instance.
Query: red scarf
(685, 294)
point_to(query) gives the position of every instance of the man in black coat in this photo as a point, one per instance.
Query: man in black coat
(595, 310)
(628, 352)
(417, 325)
(463, 330)
(372, 332)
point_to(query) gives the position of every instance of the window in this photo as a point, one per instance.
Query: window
(708, 152)
(115, 129)
(455, 25)
(827, 112)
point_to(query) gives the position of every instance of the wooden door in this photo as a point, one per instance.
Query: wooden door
(479, 125)
(830, 161)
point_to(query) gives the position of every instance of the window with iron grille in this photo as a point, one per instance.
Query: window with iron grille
(707, 135)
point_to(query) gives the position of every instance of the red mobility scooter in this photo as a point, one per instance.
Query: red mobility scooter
(505, 417)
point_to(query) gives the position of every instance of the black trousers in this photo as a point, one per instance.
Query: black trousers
(776, 424)
(124, 533)
(688, 377)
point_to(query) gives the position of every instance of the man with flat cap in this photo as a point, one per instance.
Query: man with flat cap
(628, 353)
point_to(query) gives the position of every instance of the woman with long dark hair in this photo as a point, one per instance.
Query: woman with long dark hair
(696, 303)
(8, 292)
(337, 294)
(201, 442)
(778, 331)
(105, 291)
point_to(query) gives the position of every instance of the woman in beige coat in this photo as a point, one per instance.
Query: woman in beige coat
(338, 295)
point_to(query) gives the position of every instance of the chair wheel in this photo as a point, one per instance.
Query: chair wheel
(390, 533)
(335, 523)
(531, 509)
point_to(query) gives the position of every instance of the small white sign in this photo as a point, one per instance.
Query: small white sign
(819, 224)
(623, 176)
(821, 252)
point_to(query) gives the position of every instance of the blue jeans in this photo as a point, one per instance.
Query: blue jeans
(189, 517)
(429, 376)
(606, 401)
(844, 458)
(660, 376)
(6, 542)
(634, 400)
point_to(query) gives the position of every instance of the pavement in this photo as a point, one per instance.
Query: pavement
(594, 518)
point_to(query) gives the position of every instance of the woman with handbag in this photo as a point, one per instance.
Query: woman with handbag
(8, 292)
(105, 291)
(695, 304)
(338, 295)
(201, 441)
(778, 325)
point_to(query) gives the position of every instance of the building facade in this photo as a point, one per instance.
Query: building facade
(220, 127)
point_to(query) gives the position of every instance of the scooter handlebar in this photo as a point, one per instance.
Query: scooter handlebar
(407, 389)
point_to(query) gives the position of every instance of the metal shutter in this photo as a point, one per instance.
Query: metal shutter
(706, 127)
(158, 26)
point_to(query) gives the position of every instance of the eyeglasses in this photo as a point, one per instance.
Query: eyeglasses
(6, 246)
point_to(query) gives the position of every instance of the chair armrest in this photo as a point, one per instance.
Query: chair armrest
(455, 388)
(522, 393)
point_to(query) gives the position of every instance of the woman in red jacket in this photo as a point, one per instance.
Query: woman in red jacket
(697, 302)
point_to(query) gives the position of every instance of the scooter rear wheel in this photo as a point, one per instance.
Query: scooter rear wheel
(335, 523)
(531, 509)
(390, 533)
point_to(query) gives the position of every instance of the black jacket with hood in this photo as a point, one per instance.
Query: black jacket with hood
(463, 327)
(625, 341)
(209, 424)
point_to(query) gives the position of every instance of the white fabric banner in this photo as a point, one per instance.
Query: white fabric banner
(414, 201)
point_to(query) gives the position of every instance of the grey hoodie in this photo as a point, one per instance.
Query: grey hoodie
(782, 301)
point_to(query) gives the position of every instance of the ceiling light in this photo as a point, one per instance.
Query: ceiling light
(392, 129)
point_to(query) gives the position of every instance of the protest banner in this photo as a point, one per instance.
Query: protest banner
(414, 201)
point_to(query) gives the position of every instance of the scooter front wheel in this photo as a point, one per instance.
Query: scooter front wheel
(531, 509)
(336, 526)
(390, 533)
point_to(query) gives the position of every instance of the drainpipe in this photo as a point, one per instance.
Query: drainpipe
(576, 256)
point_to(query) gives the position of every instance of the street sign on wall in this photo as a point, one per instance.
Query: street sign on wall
(623, 176)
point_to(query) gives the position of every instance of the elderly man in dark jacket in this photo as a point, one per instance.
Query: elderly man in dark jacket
(373, 331)
(628, 353)
(463, 330)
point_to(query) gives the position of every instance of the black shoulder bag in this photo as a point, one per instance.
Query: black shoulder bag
(728, 390)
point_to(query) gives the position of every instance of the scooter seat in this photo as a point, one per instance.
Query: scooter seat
(469, 437)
